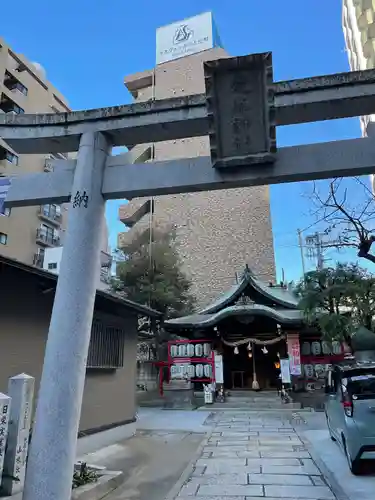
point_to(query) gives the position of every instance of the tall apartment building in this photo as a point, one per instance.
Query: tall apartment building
(26, 232)
(358, 22)
(218, 232)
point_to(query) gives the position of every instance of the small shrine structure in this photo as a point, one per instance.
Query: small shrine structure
(254, 326)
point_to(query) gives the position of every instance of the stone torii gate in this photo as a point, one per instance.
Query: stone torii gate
(240, 111)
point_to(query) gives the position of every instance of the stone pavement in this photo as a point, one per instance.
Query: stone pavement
(253, 455)
(356, 487)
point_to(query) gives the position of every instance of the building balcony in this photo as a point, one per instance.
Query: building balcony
(47, 239)
(369, 49)
(7, 158)
(9, 106)
(134, 211)
(138, 81)
(38, 260)
(13, 84)
(50, 215)
(105, 276)
(105, 261)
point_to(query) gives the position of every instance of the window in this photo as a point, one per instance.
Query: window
(360, 385)
(3, 239)
(52, 211)
(107, 345)
(11, 158)
(48, 234)
(18, 110)
(11, 83)
(52, 265)
(9, 106)
(5, 212)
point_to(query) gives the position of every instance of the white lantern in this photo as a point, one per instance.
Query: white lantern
(316, 348)
(199, 371)
(190, 350)
(198, 350)
(206, 350)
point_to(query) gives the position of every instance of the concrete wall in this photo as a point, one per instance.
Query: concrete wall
(22, 224)
(109, 396)
(217, 232)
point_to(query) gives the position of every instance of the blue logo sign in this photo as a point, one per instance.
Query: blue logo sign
(183, 34)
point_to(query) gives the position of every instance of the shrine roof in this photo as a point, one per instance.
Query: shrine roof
(277, 294)
(284, 316)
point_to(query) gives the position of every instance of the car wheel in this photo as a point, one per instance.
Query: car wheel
(329, 428)
(354, 465)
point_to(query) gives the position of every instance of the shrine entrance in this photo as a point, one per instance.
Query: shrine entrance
(252, 366)
(248, 328)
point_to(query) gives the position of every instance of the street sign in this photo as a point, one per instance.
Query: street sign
(240, 105)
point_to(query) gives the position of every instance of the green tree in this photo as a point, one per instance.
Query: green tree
(338, 300)
(151, 274)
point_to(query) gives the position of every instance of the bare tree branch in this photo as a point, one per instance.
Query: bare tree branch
(351, 219)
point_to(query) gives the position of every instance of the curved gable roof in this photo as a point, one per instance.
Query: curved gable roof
(285, 316)
(280, 296)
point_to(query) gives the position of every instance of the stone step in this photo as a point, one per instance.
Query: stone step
(249, 408)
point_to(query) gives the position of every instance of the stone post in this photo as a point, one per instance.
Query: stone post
(53, 446)
(21, 390)
(5, 402)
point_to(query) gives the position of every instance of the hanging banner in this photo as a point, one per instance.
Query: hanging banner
(294, 354)
(285, 371)
(219, 373)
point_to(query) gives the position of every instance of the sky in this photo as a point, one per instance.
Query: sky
(88, 47)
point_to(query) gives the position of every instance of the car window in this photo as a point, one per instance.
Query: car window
(360, 385)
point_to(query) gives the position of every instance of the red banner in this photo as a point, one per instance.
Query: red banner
(294, 354)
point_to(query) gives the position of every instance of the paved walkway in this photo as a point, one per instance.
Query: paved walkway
(254, 455)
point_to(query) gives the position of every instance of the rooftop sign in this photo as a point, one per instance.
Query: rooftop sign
(185, 38)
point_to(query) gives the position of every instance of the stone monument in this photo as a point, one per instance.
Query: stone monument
(5, 402)
(21, 392)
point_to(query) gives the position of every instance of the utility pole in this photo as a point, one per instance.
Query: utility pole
(300, 244)
(316, 246)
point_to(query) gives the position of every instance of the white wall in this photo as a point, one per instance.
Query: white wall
(52, 258)
(52, 261)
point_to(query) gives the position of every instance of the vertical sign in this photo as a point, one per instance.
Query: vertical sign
(240, 107)
(21, 390)
(219, 374)
(285, 371)
(4, 421)
(294, 353)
